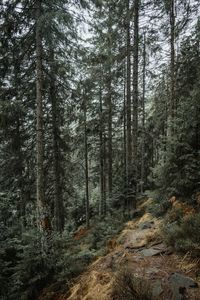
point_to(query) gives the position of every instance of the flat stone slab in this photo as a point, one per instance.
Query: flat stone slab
(151, 252)
(182, 281)
(179, 285)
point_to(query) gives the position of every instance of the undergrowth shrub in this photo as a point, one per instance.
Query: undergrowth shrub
(183, 233)
(128, 287)
(102, 231)
(159, 205)
(26, 270)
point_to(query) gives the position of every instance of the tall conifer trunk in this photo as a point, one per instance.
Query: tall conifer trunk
(101, 153)
(125, 141)
(58, 196)
(135, 98)
(128, 109)
(42, 208)
(143, 116)
(110, 139)
(172, 66)
(86, 165)
(110, 160)
(105, 171)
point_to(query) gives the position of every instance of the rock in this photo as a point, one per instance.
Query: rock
(166, 250)
(180, 284)
(146, 225)
(151, 252)
(157, 289)
(182, 281)
(135, 246)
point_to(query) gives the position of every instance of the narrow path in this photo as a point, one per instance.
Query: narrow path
(141, 249)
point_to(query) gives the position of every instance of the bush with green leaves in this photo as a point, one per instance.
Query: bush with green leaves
(102, 231)
(183, 233)
(25, 271)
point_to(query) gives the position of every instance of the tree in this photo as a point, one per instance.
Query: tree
(43, 210)
(128, 108)
(86, 161)
(135, 98)
(143, 115)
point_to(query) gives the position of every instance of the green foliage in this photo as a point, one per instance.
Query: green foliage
(182, 233)
(159, 205)
(24, 271)
(177, 165)
(103, 231)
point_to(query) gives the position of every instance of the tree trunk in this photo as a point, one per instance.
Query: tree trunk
(58, 195)
(110, 161)
(109, 138)
(143, 116)
(42, 208)
(86, 166)
(172, 69)
(135, 99)
(105, 172)
(125, 143)
(128, 110)
(102, 199)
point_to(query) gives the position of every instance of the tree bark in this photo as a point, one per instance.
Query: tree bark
(87, 209)
(125, 142)
(42, 208)
(172, 66)
(105, 172)
(135, 99)
(109, 136)
(101, 139)
(143, 115)
(110, 161)
(128, 109)
(58, 195)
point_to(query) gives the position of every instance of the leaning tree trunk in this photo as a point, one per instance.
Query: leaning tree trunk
(42, 208)
(135, 98)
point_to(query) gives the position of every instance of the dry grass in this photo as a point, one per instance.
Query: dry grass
(126, 286)
(82, 232)
(188, 264)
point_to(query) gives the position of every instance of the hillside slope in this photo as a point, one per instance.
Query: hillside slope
(139, 253)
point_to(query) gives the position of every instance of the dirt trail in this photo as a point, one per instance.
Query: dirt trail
(139, 248)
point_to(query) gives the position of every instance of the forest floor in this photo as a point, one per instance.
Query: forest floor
(141, 250)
